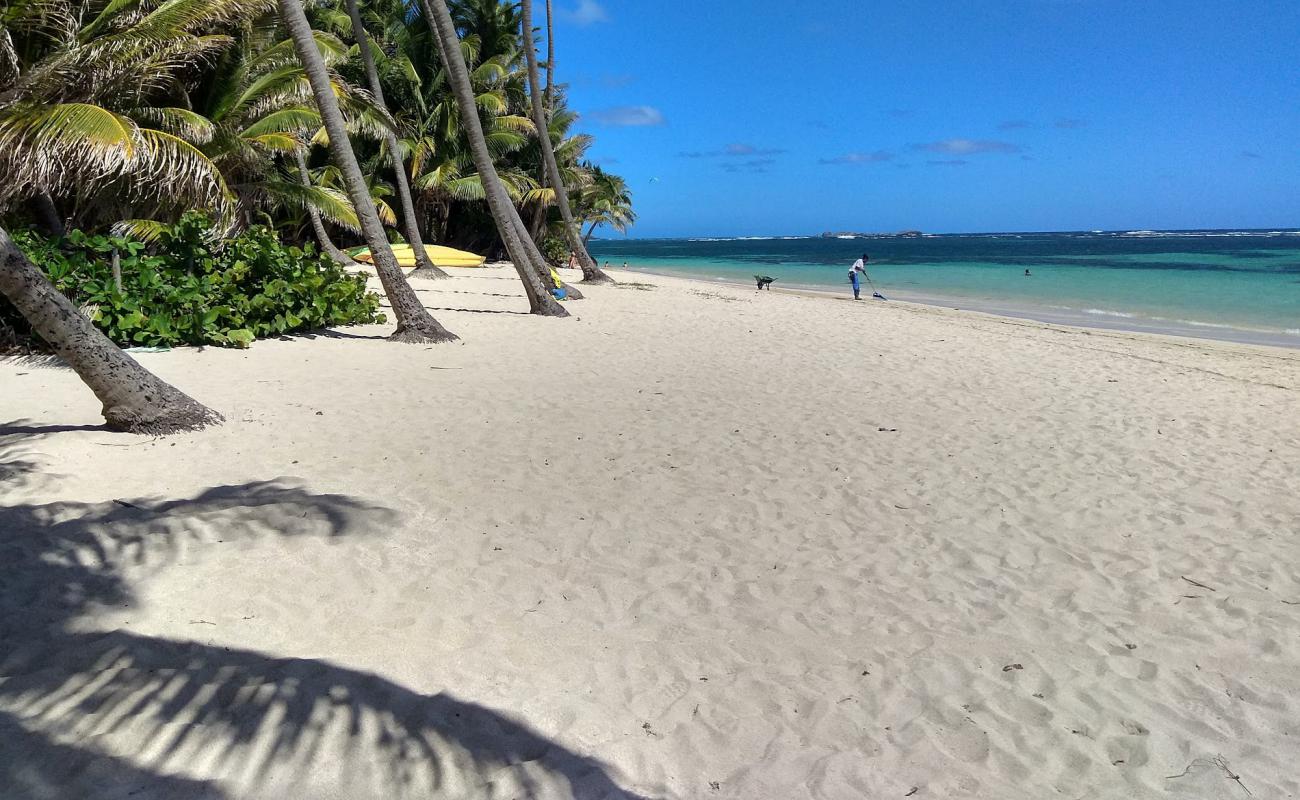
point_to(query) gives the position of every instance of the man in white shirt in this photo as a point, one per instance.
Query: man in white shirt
(856, 273)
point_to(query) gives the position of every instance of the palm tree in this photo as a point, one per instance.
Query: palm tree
(318, 227)
(590, 272)
(80, 109)
(606, 201)
(527, 260)
(410, 226)
(414, 324)
(260, 108)
(134, 399)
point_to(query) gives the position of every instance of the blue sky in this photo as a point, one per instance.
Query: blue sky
(778, 118)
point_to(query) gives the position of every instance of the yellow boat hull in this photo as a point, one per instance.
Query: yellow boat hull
(439, 255)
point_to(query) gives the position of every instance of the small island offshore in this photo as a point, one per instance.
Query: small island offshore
(859, 235)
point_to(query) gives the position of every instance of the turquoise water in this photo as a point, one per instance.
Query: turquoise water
(1241, 285)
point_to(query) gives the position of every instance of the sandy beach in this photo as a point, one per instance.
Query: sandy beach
(695, 542)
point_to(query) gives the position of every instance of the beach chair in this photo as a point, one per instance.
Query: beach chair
(764, 282)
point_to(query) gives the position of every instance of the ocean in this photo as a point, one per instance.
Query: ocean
(1235, 285)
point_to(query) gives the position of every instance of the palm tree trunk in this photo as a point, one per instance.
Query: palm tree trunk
(544, 270)
(322, 236)
(550, 59)
(527, 260)
(424, 268)
(590, 272)
(538, 230)
(47, 214)
(134, 399)
(587, 237)
(414, 324)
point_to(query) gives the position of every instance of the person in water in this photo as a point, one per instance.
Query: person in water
(856, 273)
(1027, 275)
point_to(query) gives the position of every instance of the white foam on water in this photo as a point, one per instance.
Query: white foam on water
(1198, 324)
(1107, 313)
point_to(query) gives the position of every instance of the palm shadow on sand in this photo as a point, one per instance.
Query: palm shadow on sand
(249, 723)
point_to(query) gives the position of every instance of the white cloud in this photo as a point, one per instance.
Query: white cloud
(587, 12)
(967, 147)
(628, 116)
(860, 158)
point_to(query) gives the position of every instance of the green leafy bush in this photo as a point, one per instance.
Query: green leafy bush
(556, 250)
(186, 288)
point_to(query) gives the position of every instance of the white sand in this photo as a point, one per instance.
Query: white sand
(663, 548)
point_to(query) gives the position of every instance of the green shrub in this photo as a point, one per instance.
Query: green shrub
(186, 288)
(556, 250)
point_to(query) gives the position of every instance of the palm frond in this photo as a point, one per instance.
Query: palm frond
(181, 122)
(295, 119)
(55, 145)
(143, 230)
(276, 142)
(185, 170)
(331, 204)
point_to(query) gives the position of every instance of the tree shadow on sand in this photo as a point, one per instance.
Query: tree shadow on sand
(119, 714)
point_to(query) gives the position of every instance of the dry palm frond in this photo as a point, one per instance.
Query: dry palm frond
(194, 128)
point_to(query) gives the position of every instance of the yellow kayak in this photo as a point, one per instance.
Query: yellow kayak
(439, 255)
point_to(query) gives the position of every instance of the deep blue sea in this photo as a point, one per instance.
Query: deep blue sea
(1237, 285)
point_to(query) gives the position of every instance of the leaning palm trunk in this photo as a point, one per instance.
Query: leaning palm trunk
(135, 400)
(550, 56)
(322, 236)
(590, 272)
(527, 260)
(424, 268)
(414, 324)
(544, 269)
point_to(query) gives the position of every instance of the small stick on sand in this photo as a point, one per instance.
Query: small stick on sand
(1218, 762)
(1198, 583)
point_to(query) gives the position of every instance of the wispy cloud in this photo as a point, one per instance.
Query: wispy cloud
(586, 12)
(948, 162)
(1250, 154)
(859, 158)
(1015, 124)
(734, 150)
(967, 147)
(743, 149)
(1071, 124)
(753, 165)
(628, 116)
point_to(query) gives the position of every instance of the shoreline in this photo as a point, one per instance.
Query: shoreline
(1048, 316)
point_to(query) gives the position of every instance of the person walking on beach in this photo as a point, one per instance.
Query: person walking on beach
(856, 273)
